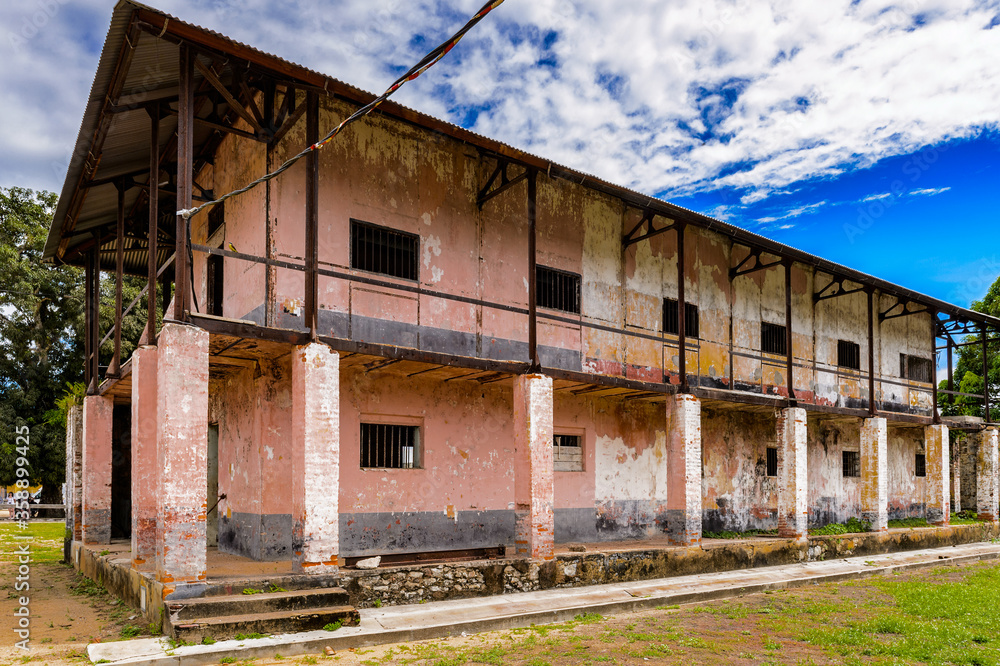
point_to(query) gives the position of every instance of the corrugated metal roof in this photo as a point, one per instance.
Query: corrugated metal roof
(153, 72)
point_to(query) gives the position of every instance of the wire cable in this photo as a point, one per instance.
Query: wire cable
(425, 63)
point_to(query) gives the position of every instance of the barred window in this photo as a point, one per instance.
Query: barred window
(772, 338)
(852, 463)
(390, 446)
(567, 454)
(848, 354)
(772, 461)
(670, 316)
(915, 368)
(559, 290)
(382, 250)
(920, 465)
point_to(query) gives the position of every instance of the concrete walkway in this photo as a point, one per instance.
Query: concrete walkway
(399, 624)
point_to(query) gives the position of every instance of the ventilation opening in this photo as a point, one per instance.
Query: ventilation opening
(389, 446)
(567, 454)
(772, 338)
(672, 326)
(558, 290)
(915, 368)
(848, 354)
(921, 465)
(772, 461)
(852, 463)
(381, 250)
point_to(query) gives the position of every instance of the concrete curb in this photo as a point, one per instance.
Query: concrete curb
(451, 618)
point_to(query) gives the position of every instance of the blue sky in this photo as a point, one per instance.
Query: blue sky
(864, 131)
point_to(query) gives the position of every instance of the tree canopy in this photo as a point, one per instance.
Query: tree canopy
(968, 372)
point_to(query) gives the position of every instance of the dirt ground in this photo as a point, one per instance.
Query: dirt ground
(917, 618)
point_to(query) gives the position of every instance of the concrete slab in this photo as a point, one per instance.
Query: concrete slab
(448, 618)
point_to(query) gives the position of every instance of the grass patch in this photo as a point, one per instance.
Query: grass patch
(851, 526)
(727, 534)
(909, 522)
(333, 626)
(250, 636)
(965, 518)
(46, 541)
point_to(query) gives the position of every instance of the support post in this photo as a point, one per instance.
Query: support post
(986, 377)
(534, 494)
(935, 413)
(95, 316)
(789, 366)
(315, 458)
(986, 476)
(951, 384)
(681, 307)
(88, 342)
(532, 270)
(74, 472)
(684, 470)
(154, 217)
(874, 473)
(116, 358)
(938, 458)
(872, 411)
(97, 453)
(145, 460)
(185, 176)
(956, 478)
(182, 452)
(312, 216)
(793, 509)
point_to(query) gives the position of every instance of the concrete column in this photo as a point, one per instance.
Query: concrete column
(684, 471)
(793, 508)
(182, 445)
(534, 493)
(874, 474)
(145, 461)
(937, 457)
(98, 414)
(74, 472)
(986, 476)
(315, 458)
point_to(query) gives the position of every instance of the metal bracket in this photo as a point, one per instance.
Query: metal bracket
(757, 265)
(900, 302)
(823, 294)
(506, 183)
(646, 222)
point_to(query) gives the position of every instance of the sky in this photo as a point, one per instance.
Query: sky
(866, 132)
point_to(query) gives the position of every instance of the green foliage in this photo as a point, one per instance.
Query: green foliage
(965, 518)
(851, 526)
(909, 522)
(208, 640)
(249, 636)
(333, 626)
(968, 372)
(130, 631)
(729, 534)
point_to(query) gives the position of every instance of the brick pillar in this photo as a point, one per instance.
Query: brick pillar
(956, 477)
(684, 471)
(182, 447)
(986, 476)
(96, 514)
(937, 455)
(74, 472)
(145, 461)
(874, 476)
(534, 494)
(793, 509)
(315, 458)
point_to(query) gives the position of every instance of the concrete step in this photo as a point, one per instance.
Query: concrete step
(252, 604)
(276, 622)
(236, 584)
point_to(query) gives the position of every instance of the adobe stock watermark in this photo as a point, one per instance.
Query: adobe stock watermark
(914, 169)
(22, 550)
(35, 21)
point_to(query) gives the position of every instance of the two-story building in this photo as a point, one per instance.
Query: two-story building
(420, 340)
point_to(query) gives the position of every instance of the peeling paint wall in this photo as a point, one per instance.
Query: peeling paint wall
(907, 492)
(833, 498)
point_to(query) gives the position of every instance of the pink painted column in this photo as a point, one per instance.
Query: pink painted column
(534, 492)
(315, 458)
(145, 461)
(937, 456)
(793, 510)
(97, 422)
(986, 476)
(874, 474)
(182, 451)
(684, 472)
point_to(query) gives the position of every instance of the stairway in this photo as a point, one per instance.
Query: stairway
(223, 617)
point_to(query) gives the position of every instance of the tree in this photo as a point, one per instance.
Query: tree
(968, 373)
(41, 326)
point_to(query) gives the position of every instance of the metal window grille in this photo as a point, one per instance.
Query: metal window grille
(567, 454)
(216, 285)
(915, 368)
(852, 463)
(848, 354)
(670, 324)
(390, 446)
(381, 250)
(772, 338)
(772, 461)
(920, 465)
(559, 290)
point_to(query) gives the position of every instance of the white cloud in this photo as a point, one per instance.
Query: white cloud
(701, 95)
(877, 197)
(929, 192)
